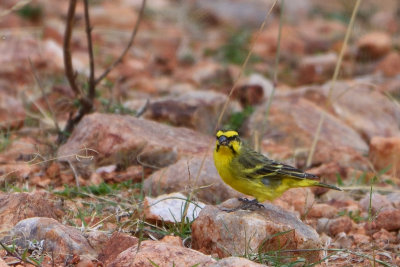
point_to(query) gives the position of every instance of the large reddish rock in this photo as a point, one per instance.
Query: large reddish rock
(321, 34)
(390, 65)
(181, 177)
(291, 44)
(373, 114)
(296, 199)
(293, 121)
(243, 231)
(374, 45)
(117, 243)
(12, 112)
(388, 220)
(134, 140)
(335, 226)
(60, 240)
(375, 202)
(384, 152)
(15, 207)
(157, 253)
(316, 68)
(197, 110)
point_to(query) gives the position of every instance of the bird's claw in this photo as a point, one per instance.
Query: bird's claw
(248, 204)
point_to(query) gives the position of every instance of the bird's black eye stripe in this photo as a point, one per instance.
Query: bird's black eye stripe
(235, 137)
(223, 138)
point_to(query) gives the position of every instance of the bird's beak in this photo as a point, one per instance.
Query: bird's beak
(223, 140)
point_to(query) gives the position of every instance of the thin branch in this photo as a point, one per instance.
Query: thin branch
(119, 59)
(334, 78)
(92, 85)
(275, 77)
(76, 176)
(69, 69)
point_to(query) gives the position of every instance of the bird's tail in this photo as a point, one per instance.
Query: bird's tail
(329, 186)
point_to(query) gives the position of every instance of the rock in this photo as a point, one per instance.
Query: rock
(373, 114)
(242, 231)
(156, 253)
(293, 121)
(378, 203)
(335, 226)
(386, 20)
(173, 240)
(117, 243)
(298, 199)
(249, 95)
(15, 207)
(316, 68)
(103, 13)
(197, 110)
(384, 152)
(239, 12)
(388, 220)
(342, 240)
(17, 172)
(97, 239)
(320, 35)
(291, 44)
(12, 112)
(15, 51)
(59, 240)
(181, 176)
(169, 208)
(329, 171)
(131, 141)
(3, 263)
(209, 74)
(390, 65)
(322, 210)
(384, 237)
(394, 199)
(374, 45)
(235, 262)
(361, 239)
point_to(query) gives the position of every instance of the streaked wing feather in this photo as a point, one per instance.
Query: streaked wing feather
(259, 166)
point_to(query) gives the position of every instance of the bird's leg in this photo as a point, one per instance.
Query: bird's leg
(247, 204)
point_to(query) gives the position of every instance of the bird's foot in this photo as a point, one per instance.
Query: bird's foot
(249, 204)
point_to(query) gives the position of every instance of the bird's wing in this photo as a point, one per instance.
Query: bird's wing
(258, 166)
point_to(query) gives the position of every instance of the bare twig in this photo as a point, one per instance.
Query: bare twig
(86, 104)
(86, 101)
(334, 78)
(275, 77)
(69, 69)
(119, 59)
(76, 176)
(92, 85)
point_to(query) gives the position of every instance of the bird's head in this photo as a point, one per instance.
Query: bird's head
(228, 141)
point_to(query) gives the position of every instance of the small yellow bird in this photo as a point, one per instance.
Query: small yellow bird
(251, 173)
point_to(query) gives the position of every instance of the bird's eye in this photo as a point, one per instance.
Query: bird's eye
(222, 139)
